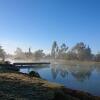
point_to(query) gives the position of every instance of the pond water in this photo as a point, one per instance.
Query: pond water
(85, 78)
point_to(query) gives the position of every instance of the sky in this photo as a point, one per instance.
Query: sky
(37, 23)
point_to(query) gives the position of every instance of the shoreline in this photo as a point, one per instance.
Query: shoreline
(16, 85)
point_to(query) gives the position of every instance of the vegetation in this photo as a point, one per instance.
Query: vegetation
(58, 52)
(34, 74)
(38, 54)
(55, 50)
(80, 51)
(18, 86)
(97, 57)
(19, 54)
(2, 53)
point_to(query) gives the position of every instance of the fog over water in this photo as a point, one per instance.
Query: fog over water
(80, 77)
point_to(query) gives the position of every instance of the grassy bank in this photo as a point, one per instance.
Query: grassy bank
(18, 86)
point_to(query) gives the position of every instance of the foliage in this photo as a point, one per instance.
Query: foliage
(71, 56)
(34, 74)
(62, 51)
(19, 53)
(81, 51)
(97, 57)
(38, 54)
(58, 52)
(55, 49)
(2, 53)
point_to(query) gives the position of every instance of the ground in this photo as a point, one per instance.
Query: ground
(18, 86)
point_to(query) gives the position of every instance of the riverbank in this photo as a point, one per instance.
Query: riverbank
(8, 66)
(18, 86)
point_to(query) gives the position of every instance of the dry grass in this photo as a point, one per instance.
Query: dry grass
(17, 86)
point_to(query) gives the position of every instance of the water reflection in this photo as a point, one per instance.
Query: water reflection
(79, 72)
(57, 69)
(85, 78)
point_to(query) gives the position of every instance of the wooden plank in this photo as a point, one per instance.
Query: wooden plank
(16, 64)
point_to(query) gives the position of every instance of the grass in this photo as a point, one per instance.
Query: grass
(18, 86)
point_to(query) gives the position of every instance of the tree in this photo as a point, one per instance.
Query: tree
(82, 51)
(88, 54)
(62, 51)
(29, 54)
(19, 53)
(71, 55)
(39, 54)
(97, 57)
(2, 53)
(55, 49)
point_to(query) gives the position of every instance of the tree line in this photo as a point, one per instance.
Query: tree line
(19, 54)
(80, 51)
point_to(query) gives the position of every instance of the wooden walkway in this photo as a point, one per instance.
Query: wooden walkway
(30, 64)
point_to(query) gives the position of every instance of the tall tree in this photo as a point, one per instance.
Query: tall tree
(62, 51)
(29, 54)
(55, 49)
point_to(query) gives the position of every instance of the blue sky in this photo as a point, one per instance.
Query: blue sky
(37, 23)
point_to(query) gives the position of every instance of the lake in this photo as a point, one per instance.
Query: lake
(85, 78)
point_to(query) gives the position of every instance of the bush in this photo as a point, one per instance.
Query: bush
(34, 74)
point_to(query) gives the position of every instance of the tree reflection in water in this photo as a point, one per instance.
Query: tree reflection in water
(58, 69)
(78, 72)
(54, 71)
(81, 73)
